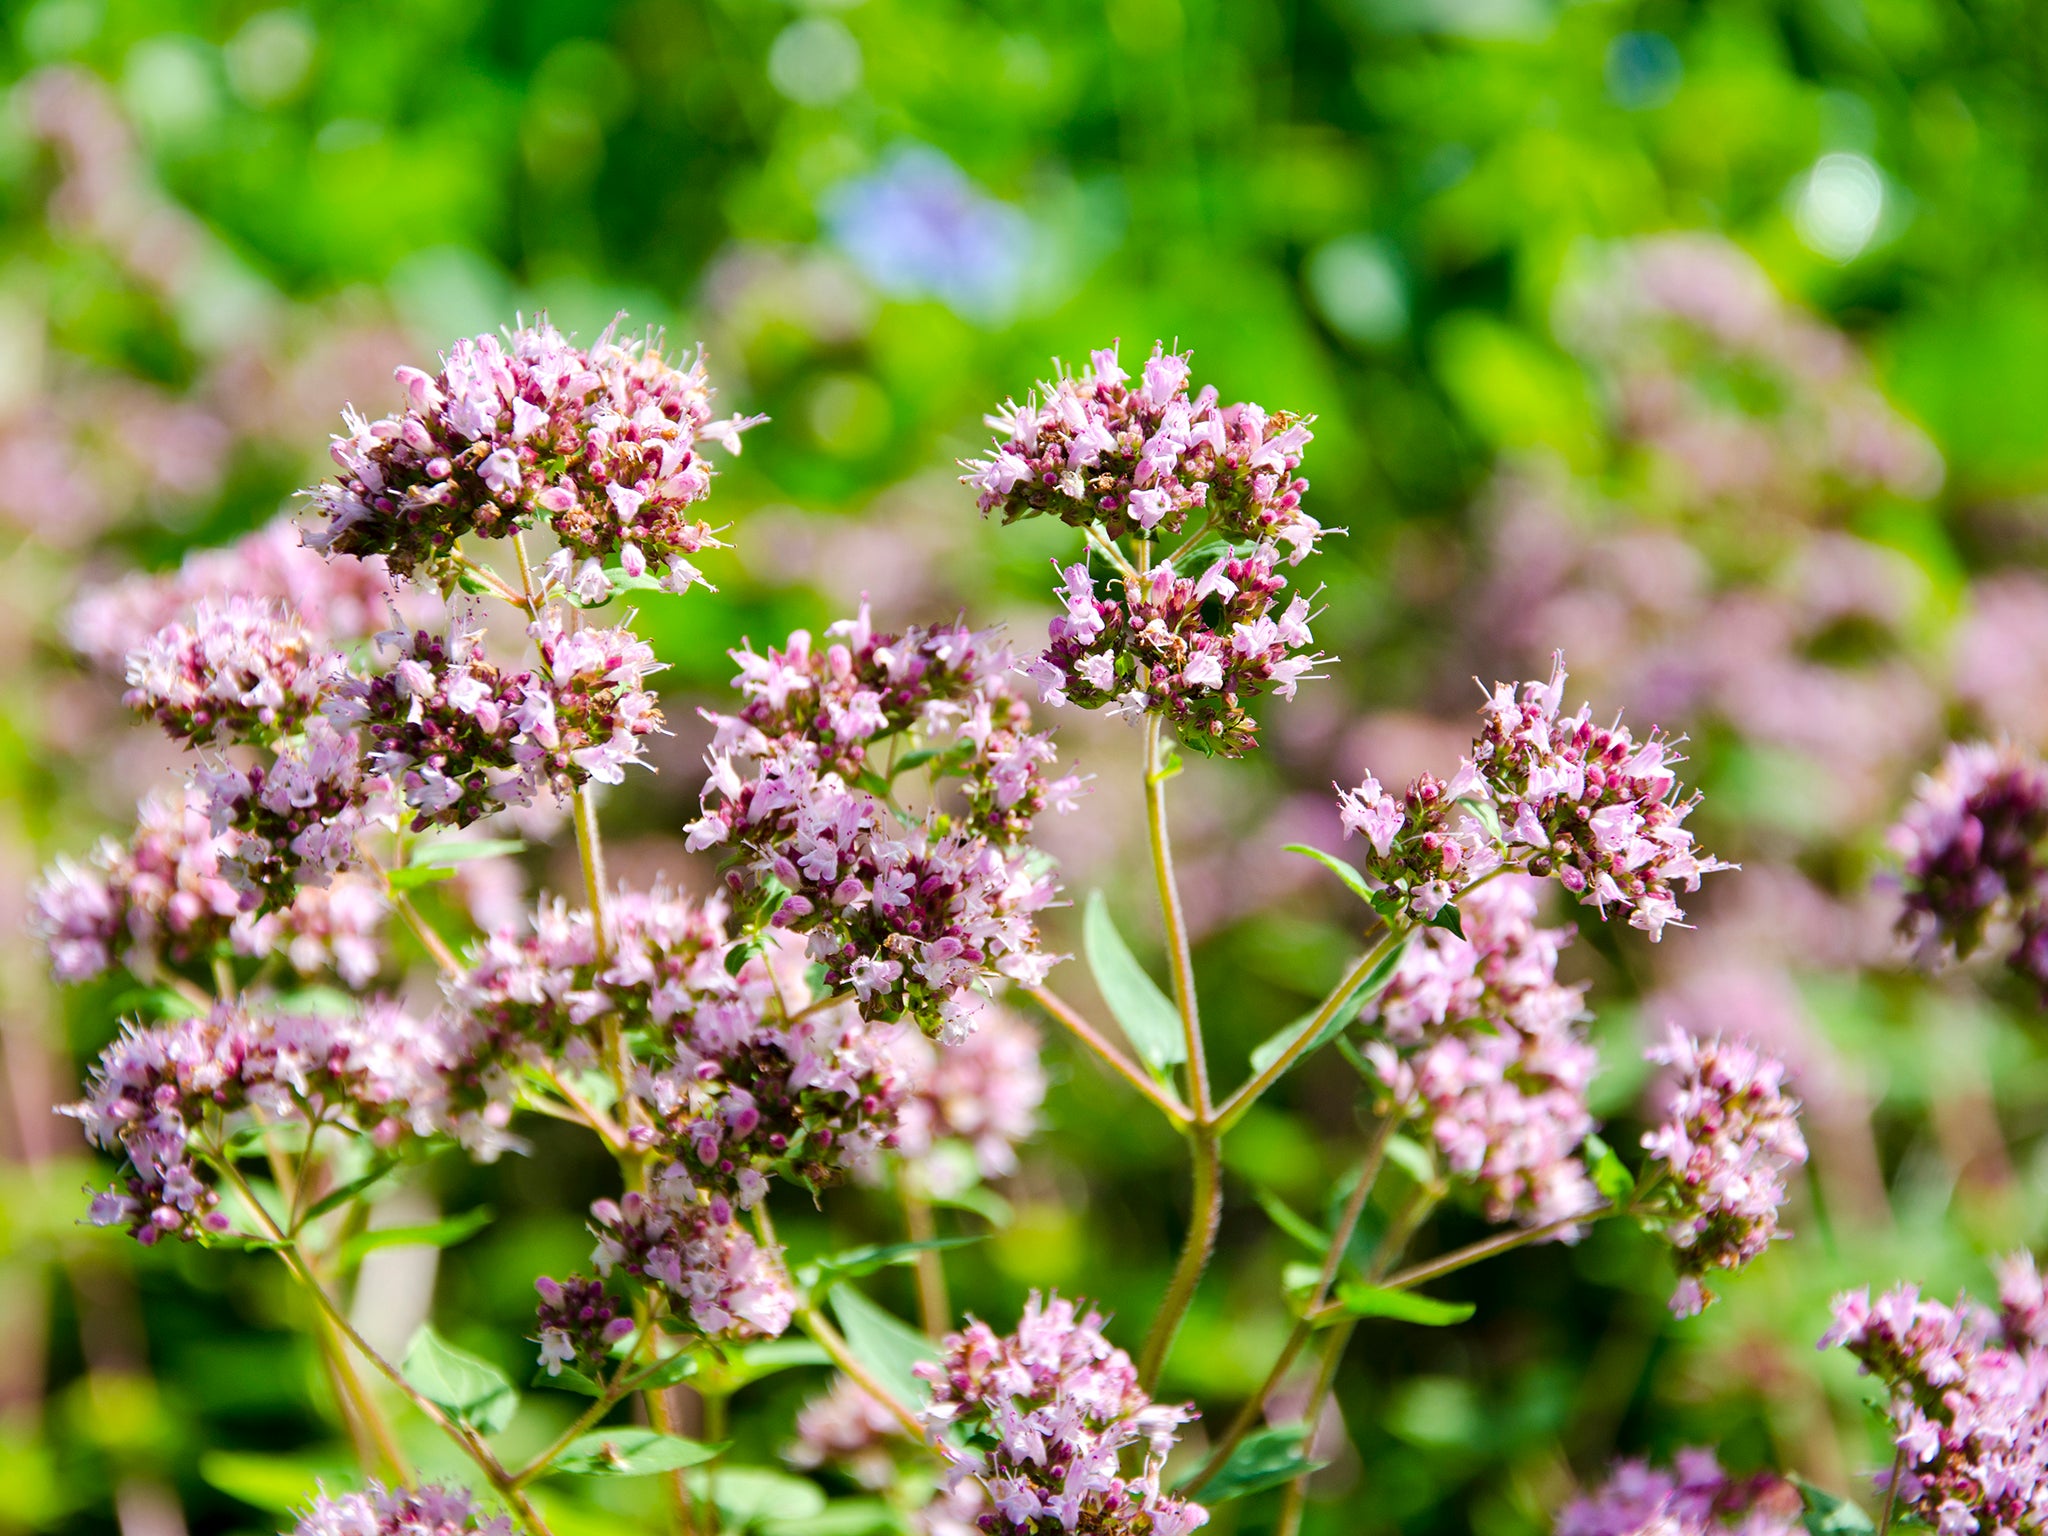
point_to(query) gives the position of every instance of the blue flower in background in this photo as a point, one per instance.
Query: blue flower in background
(918, 227)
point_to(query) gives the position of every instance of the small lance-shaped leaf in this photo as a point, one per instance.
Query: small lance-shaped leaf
(1447, 918)
(1828, 1515)
(566, 1378)
(276, 1484)
(445, 1233)
(1150, 1022)
(447, 855)
(1276, 1045)
(473, 1390)
(1263, 1459)
(1292, 1222)
(851, 1263)
(413, 876)
(885, 1345)
(379, 1170)
(1361, 1300)
(629, 1451)
(1353, 880)
(1609, 1176)
(750, 1362)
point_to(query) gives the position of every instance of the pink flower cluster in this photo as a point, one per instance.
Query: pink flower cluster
(1971, 844)
(296, 819)
(984, 1091)
(1194, 651)
(164, 898)
(1720, 1155)
(848, 1427)
(909, 913)
(1419, 861)
(428, 1510)
(713, 1274)
(738, 1078)
(1483, 1048)
(579, 1323)
(1043, 1415)
(1588, 803)
(1969, 1399)
(1694, 1498)
(339, 600)
(245, 669)
(1100, 453)
(377, 1070)
(603, 446)
(461, 738)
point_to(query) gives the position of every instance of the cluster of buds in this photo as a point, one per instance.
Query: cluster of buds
(1968, 1399)
(713, 1275)
(909, 913)
(159, 1095)
(295, 820)
(1971, 846)
(1720, 1155)
(1586, 804)
(1043, 1416)
(460, 738)
(241, 670)
(1419, 860)
(1480, 1045)
(1098, 453)
(1694, 1498)
(163, 900)
(741, 1080)
(603, 446)
(428, 1510)
(1197, 652)
(579, 1323)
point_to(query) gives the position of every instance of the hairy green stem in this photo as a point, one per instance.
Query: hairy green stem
(1072, 1020)
(1205, 1215)
(1179, 955)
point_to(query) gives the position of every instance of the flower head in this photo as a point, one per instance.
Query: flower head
(1042, 1417)
(604, 446)
(983, 1092)
(712, 1272)
(1722, 1150)
(428, 1510)
(242, 670)
(1694, 1498)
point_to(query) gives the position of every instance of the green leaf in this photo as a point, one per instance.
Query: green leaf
(1412, 1158)
(1609, 1176)
(1828, 1515)
(749, 1497)
(982, 1201)
(1292, 1222)
(566, 1379)
(630, 1451)
(842, 1517)
(1361, 1300)
(1150, 1022)
(413, 876)
(680, 1366)
(913, 760)
(1353, 880)
(750, 1362)
(445, 1233)
(473, 1390)
(278, 1484)
(380, 1170)
(1264, 1459)
(158, 1003)
(850, 1263)
(1275, 1045)
(885, 1345)
(1447, 918)
(443, 855)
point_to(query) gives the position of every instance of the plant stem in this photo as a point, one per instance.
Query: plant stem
(1891, 1493)
(590, 853)
(1179, 956)
(935, 1310)
(465, 1438)
(661, 1417)
(1110, 553)
(1487, 1248)
(1234, 1107)
(1205, 1215)
(1333, 1262)
(834, 1344)
(1065, 1014)
(490, 579)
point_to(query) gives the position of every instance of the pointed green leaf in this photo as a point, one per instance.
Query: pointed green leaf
(629, 1451)
(1353, 880)
(1264, 1459)
(1361, 1300)
(566, 1378)
(1609, 1176)
(1447, 918)
(276, 1484)
(1412, 1158)
(850, 1263)
(413, 876)
(473, 1390)
(1150, 1022)
(750, 1362)
(1828, 1515)
(380, 1170)
(1292, 1222)
(445, 1233)
(885, 1345)
(447, 855)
